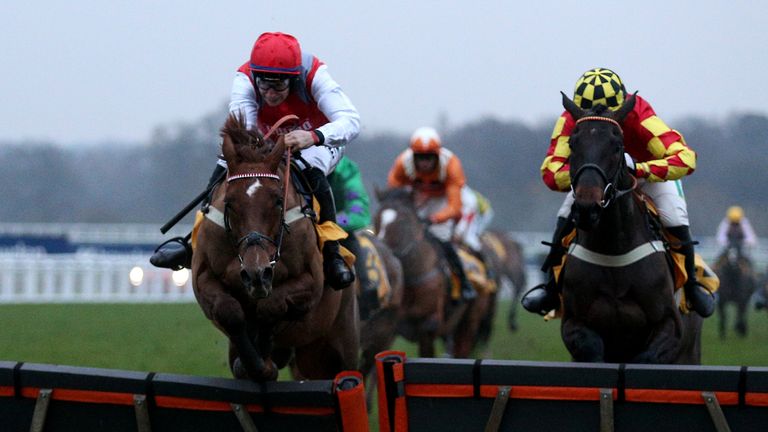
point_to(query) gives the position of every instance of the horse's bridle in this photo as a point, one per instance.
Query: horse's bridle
(255, 237)
(611, 192)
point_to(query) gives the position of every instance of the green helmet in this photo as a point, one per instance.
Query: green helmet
(599, 86)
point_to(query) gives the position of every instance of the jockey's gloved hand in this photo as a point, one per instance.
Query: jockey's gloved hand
(630, 163)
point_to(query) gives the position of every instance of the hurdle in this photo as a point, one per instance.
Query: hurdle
(40, 397)
(494, 395)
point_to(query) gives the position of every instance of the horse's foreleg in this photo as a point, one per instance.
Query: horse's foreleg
(229, 316)
(722, 319)
(664, 345)
(584, 344)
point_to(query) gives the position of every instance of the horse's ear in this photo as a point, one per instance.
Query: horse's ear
(570, 106)
(276, 154)
(377, 192)
(626, 108)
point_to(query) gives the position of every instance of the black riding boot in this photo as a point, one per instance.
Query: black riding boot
(368, 297)
(699, 298)
(337, 273)
(176, 253)
(544, 297)
(467, 291)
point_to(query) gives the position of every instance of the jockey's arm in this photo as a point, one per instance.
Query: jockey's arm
(397, 177)
(672, 158)
(453, 183)
(555, 169)
(722, 233)
(344, 120)
(242, 101)
(750, 238)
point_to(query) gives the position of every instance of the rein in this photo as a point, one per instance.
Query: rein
(255, 237)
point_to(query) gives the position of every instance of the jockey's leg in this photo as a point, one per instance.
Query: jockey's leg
(176, 253)
(467, 291)
(369, 294)
(337, 273)
(699, 298)
(544, 297)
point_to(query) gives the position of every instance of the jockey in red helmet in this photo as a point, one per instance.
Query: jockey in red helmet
(277, 80)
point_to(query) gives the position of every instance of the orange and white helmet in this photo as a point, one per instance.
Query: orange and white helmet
(425, 140)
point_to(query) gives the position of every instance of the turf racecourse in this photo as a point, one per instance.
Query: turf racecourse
(176, 338)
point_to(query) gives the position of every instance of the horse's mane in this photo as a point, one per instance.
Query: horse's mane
(401, 194)
(249, 144)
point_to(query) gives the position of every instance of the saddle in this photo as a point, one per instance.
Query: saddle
(671, 245)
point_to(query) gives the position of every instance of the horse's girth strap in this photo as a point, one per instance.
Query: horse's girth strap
(216, 216)
(622, 260)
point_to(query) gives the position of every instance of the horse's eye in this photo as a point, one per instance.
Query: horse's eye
(279, 202)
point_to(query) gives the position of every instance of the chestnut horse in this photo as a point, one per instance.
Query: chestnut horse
(737, 281)
(618, 291)
(257, 270)
(428, 312)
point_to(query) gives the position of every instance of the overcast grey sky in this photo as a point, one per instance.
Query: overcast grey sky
(82, 70)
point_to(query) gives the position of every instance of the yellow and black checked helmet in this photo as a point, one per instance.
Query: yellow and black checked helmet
(599, 86)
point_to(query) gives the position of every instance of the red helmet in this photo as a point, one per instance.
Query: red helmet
(276, 53)
(425, 140)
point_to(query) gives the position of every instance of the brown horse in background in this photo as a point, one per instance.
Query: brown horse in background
(737, 281)
(257, 270)
(428, 312)
(618, 307)
(379, 328)
(504, 256)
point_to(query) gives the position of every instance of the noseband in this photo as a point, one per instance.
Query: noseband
(611, 192)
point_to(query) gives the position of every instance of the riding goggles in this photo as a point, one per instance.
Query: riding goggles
(276, 84)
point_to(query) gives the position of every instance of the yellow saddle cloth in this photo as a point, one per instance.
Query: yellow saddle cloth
(476, 273)
(374, 269)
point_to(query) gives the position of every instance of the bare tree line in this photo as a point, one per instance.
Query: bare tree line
(149, 182)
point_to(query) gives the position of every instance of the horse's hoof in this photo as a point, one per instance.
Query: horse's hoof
(238, 370)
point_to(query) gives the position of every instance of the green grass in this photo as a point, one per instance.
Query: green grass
(177, 338)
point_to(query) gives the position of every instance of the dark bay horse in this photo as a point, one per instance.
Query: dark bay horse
(427, 310)
(737, 281)
(618, 291)
(257, 270)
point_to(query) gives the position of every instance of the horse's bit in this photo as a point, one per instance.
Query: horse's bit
(611, 192)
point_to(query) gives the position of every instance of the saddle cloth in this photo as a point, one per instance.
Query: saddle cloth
(476, 272)
(374, 267)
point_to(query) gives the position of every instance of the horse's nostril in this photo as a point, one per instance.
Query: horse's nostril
(266, 276)
(245, 277)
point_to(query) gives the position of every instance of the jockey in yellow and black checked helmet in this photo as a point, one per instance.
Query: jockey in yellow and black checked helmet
(599, 86)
